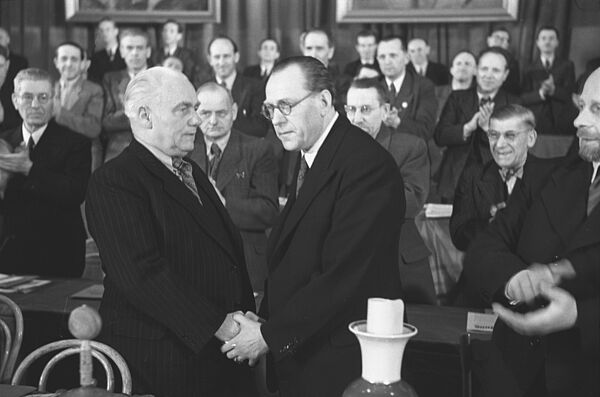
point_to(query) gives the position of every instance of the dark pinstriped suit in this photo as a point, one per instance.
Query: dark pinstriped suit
(173, 269)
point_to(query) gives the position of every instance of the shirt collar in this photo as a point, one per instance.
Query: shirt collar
(508, 173)
(69, 84)
(221, 143)
(544, 59)
(398, 82)
(367, 61)
(162, 157)
(113, 49)
(491, 96)
(37, 134)
(229, 80)
(595, 164)
(311, 153)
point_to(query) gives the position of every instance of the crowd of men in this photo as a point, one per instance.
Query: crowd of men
(249, 215)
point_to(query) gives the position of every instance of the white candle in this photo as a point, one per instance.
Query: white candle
(385, 316)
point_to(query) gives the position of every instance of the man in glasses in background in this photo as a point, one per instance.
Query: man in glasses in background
(43, 227)
(366, 108)
(336, 242)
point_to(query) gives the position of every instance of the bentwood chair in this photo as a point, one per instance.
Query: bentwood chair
(84, 324)
(11, 336)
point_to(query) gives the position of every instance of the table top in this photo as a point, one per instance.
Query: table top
(435, 324)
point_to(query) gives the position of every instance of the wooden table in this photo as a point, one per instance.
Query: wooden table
(432, 361)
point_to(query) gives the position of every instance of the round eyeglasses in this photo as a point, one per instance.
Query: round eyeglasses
(268, 110)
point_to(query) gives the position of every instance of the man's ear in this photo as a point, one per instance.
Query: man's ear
(325, 100)
(531, 138)
(386, 110)
(234, 110)
(145, 117)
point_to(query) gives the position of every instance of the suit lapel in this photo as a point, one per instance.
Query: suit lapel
(229, 161)
(470, 105)
(489, 183)
(180, 193)
(384, 137)
(318, 175)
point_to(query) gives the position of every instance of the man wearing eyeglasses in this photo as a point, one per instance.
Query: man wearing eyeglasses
(243, 171)
(336, 242)
(484, 189)
(43, 227)
(366, 108)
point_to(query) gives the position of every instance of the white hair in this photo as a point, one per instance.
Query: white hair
(145, 87)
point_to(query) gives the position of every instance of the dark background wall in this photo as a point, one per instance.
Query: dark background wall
(37, 26)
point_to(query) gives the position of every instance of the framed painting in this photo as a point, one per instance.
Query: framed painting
(144, 11)
(419, 11)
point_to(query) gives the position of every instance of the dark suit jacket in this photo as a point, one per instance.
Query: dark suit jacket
(554, 115)
(174, 268)
(416, 104)
(353, 67)
(544, 222)
(410, 155)
(512, 85)
(116, 129)
(12, 118)
(247, 178)
(436, 72)
(253, 71)
(334, 246)
(43, 228)
(101, 64)
(459, 110)
(480, 186)
(185, 55)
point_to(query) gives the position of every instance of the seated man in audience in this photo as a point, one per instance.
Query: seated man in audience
(43, 227)
(247, 93)
(463, 69)
(78, 102)
(411, 97)
(9, 116)
(500, 37)
(548, 84)
(268, 53)
(548, 235)
(172, 37)
(173, 63)
(135, 47)
(366, 108)
(484, 189)
(244, 172)
(17, 62)
(108, 59)
(463, 125)
(366, 47)
(418, 53)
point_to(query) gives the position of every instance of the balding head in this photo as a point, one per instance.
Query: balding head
(588, 120)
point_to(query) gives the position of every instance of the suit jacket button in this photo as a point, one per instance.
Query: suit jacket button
(534, 342)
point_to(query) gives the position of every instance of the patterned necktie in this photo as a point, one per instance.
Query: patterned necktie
(213, 164)
(184, 170)
(594, 194)
(301, 174)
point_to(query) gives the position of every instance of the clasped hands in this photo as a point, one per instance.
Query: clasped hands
(17, 162)
(242, 337)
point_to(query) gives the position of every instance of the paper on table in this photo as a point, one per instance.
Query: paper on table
(481, 322)
(438, 210)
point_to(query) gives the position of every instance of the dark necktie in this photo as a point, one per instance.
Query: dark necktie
(184, 170)
(484, 100)
(301, 174)
(594, 194)
(213, 164)
(392, 91)
(111, 55)
(30, 145)
(547, 65)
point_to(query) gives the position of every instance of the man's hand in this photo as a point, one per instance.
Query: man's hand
(558, 315)
(392, 119)
(221, 197)
(248, 344)
(495, 208)
(470, 126)
(17, 162)
(525, 286)
(485, 112)
(229, 328)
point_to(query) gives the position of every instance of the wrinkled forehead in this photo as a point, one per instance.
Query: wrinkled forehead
(362, 96)
(288, 83)
(34, 86)
(591, 88)
(464, 57)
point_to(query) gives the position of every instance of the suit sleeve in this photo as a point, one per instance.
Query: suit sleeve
(257, 210)
(119, 216)
(465, 223)
(415, 174)
(588, 313)
(366, 203)
(449, 130)
(249, 119)
(65, 186)
(423, 122)
(114, 119)
(566, 86)
(89, 123)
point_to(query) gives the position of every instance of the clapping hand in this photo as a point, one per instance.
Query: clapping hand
(526, 285)
(17, 162)
(392, 119)
(485, 112)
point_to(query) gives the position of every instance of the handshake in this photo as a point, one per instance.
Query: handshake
(241, 337)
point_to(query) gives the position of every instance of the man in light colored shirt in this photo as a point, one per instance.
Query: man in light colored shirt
(336, 240)
(50, 166)
(78, 103)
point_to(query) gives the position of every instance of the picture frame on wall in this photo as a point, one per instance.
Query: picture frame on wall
(423, 11)
(144, 11)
